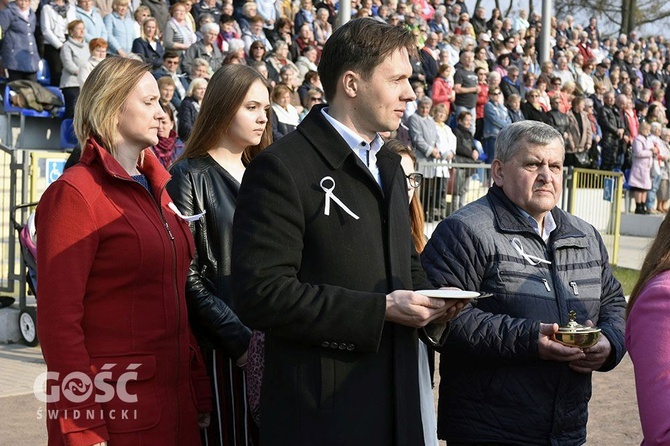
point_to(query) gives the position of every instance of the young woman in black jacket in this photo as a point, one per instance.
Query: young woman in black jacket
(232, 126)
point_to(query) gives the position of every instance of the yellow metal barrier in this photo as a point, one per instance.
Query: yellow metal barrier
(596, 196)
(23, 180)
(11, 180)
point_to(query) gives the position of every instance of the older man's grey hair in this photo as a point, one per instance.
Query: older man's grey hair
(425, 100)
(207, 27)
(286, 68)
(493, 75)
(521, 134)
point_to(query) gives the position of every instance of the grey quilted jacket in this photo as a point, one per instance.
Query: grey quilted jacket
(494, 387)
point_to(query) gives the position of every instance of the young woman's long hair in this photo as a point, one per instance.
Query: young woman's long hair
(656, 261)
(225, 92)
(416, 215)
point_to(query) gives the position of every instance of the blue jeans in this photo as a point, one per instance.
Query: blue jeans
(651, 195)
(490, 148)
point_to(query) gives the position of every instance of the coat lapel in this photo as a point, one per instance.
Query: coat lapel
(332, 147)
(388, 163)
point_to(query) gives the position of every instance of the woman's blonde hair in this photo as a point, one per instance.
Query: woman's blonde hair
(103, 97)
(116, 3)
(140, 9)
(147, 20)
(279, 91)
(196, 83)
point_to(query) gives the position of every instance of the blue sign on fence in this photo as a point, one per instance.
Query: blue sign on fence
(54, 169)
(608, 189)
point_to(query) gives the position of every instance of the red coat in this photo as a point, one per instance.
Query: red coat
(112, 273)
(441, 92)
(482, 99)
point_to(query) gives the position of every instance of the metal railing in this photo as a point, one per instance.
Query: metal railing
(449, 186)
(25, 142)
(596, 196)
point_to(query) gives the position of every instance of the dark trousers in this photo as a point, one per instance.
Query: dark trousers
(21, 76)
(70, 94)
(52, 56)
(609, 155)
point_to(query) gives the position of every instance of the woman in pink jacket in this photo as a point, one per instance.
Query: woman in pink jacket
(644, 154)
(113, 255)
(647, 334)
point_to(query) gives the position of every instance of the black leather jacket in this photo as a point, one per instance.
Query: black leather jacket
(610, 121)
(199, 185)
(559, 121)
(465, 145)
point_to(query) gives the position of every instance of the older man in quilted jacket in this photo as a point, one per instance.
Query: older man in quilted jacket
(504, 379)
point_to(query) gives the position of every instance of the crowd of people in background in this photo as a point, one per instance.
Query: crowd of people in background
(595, 90)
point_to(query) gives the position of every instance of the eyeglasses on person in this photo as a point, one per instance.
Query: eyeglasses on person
(414, 179)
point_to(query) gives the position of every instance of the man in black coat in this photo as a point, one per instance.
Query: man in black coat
(613, 130)
(429, 58)
(323, 258)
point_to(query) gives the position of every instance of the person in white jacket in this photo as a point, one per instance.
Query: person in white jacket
(53, 21)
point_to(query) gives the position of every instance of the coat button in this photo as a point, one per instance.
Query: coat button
(325, 344)
(343, 346)
(333, 345)
(350, 347)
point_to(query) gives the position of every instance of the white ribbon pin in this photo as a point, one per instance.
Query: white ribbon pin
(188, 218)
(331, 196)
(533, 260)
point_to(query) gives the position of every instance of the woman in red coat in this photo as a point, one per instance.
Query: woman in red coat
(443, 88)
(113, 256)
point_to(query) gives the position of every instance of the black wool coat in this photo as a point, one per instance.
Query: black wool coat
(336, 373)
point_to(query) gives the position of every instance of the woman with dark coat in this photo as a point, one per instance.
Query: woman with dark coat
(557, 119)
(232, 126)
(466, 153)
(532, 109)
(120, 320)
(19, 48)
(190, 106)
(149, 46)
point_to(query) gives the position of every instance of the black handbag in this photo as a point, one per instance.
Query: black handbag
(582, 159)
